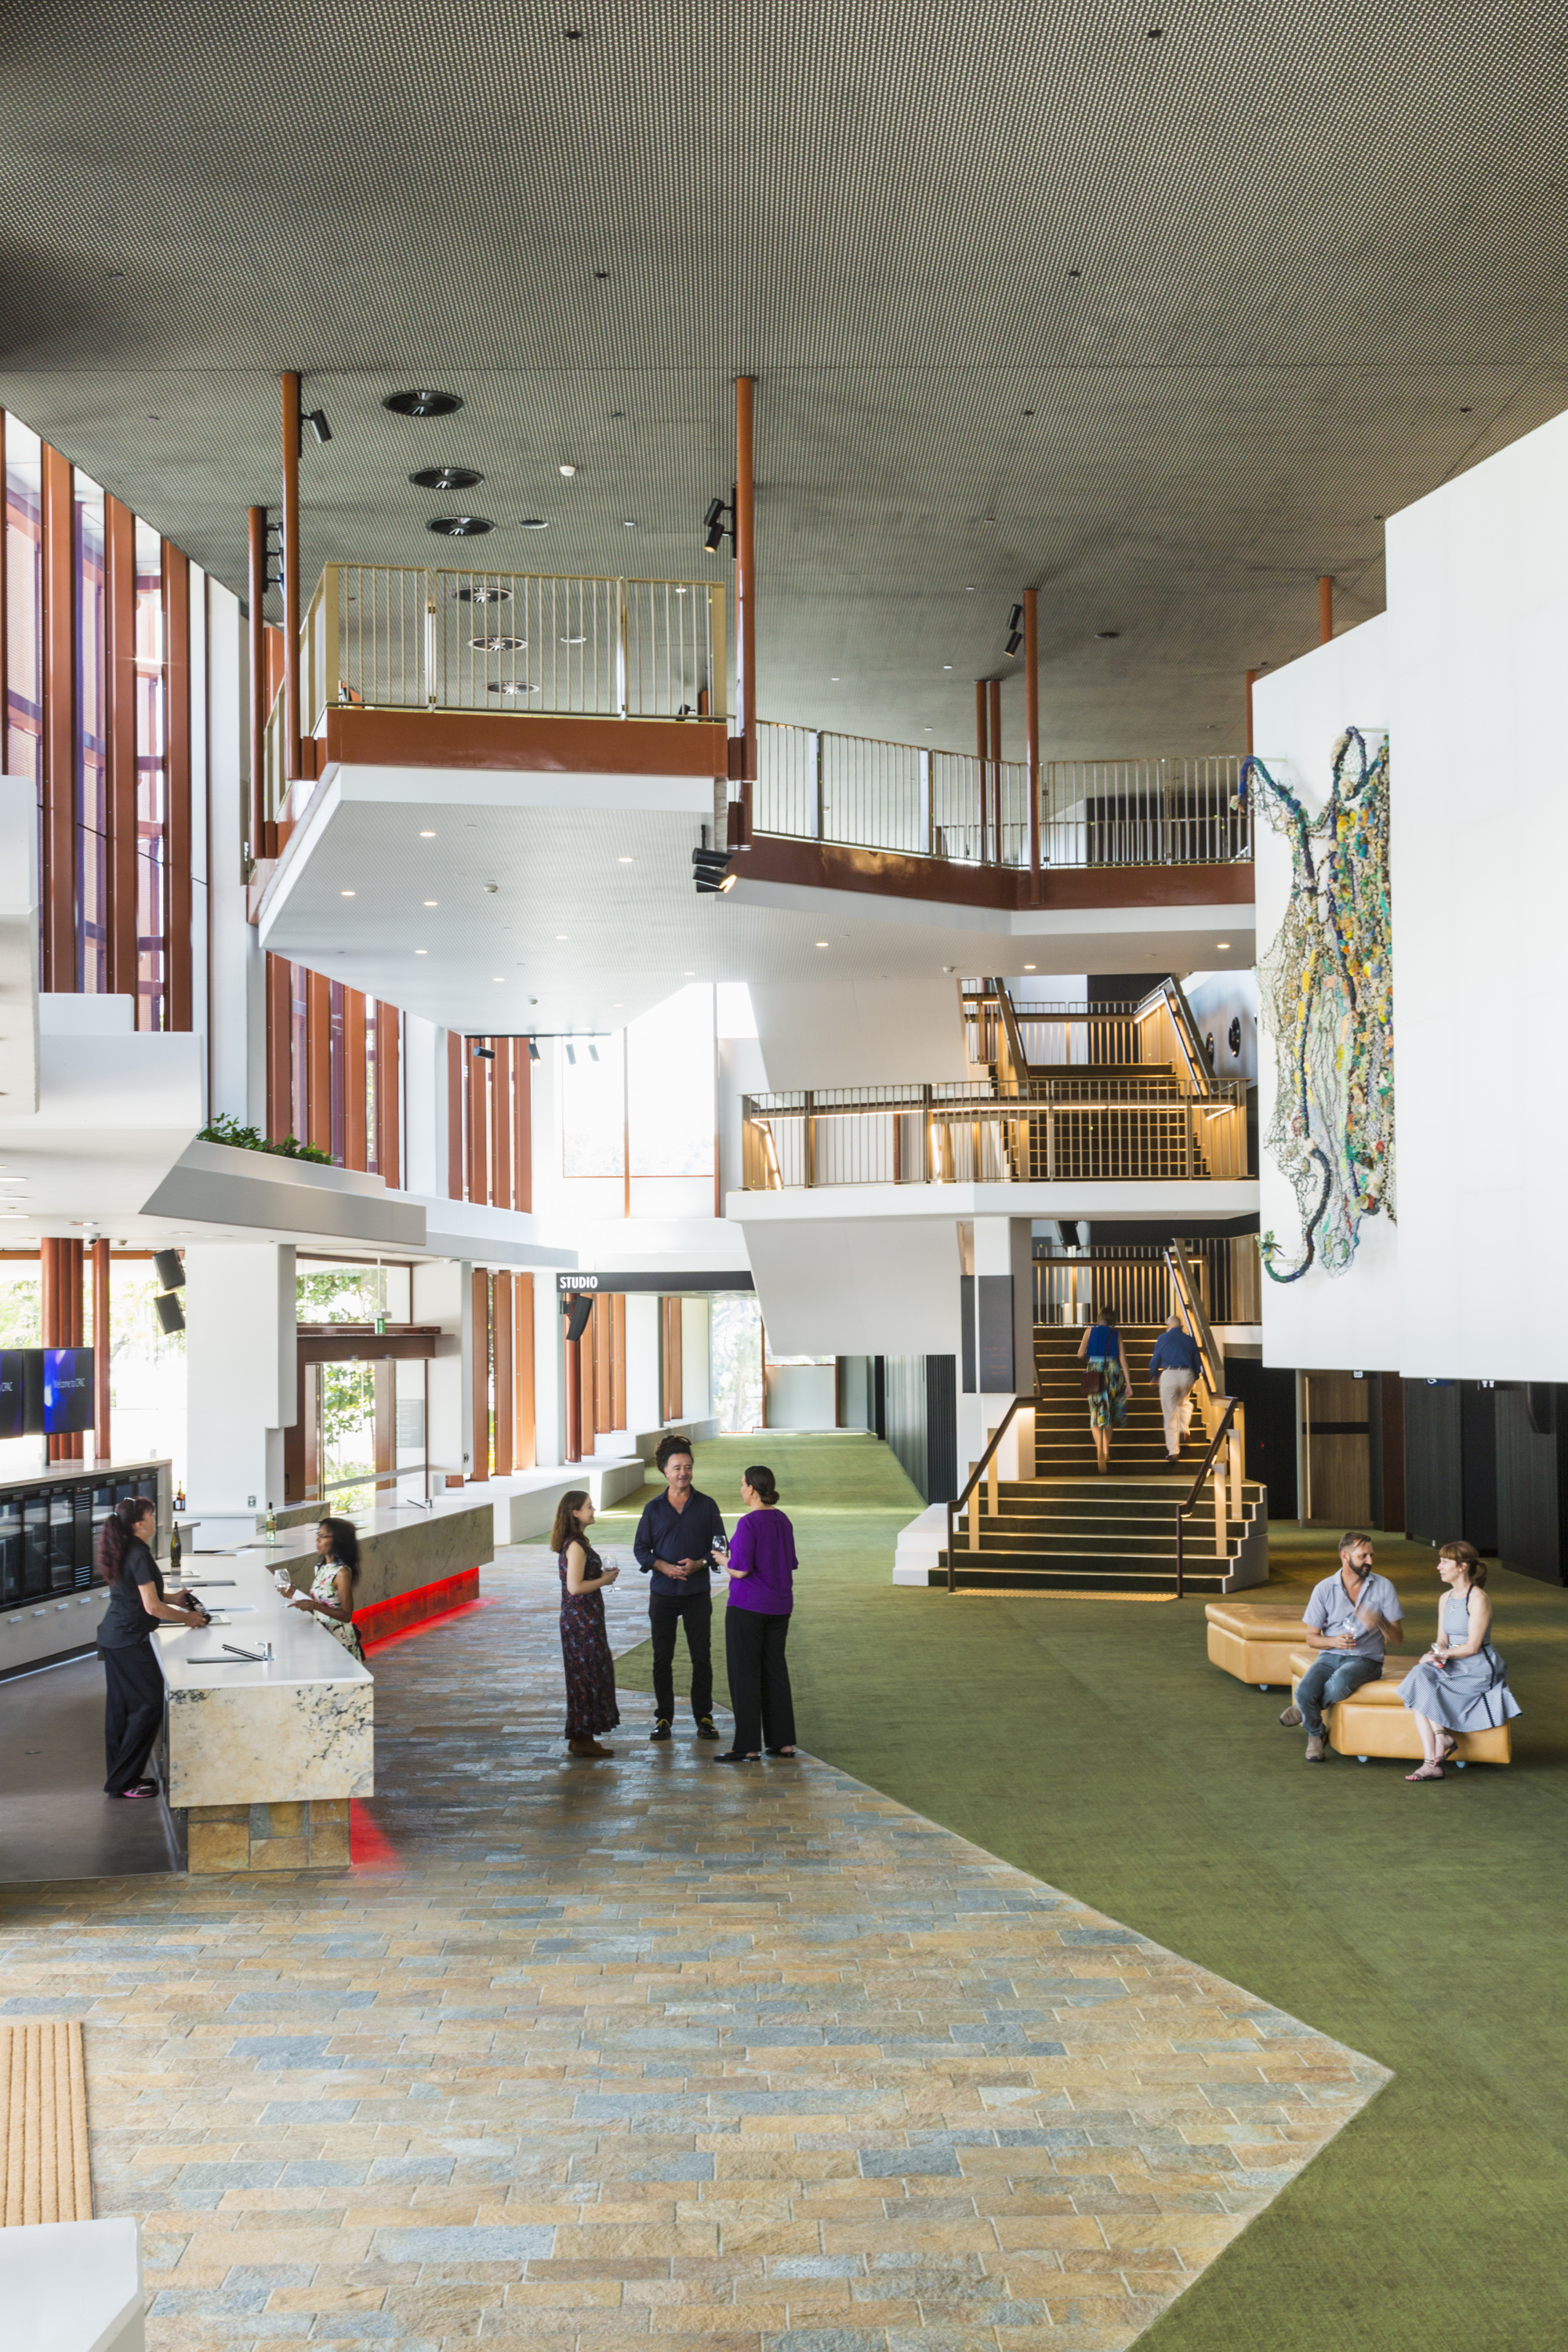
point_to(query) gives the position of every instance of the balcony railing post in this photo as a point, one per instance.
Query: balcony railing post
(816, 809)
(925, 1136)
(623, 603)
(809, 1138)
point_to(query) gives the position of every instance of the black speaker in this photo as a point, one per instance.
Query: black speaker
(171, 1273)
(170, 1313)
(577, 1314)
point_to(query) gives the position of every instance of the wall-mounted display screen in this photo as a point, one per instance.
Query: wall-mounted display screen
(68, 1390)
(21, 1391)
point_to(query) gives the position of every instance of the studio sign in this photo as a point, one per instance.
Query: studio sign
(672, 1284)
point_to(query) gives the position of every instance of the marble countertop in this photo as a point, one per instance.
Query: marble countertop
(292, 1545)
(302, 1650)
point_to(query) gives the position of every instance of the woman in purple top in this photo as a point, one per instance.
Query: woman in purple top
(756, 1623)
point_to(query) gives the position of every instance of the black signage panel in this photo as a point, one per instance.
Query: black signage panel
(68, 1390)
(672, 1286)
(21, 1391)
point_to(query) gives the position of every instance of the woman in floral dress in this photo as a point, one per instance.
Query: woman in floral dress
(332, 1595)
(584, 1645)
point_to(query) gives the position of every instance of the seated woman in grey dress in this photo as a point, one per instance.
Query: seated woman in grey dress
(1461, 1684)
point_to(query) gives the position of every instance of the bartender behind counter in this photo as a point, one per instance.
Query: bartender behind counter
(133, 1702)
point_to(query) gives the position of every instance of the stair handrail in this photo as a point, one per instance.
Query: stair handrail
(1215, 1441)
(976, 1475)
(1014, 1035)
(1199, 1329)
(1172, 996)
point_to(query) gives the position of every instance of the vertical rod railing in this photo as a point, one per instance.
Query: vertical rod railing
(291, 754)
(746, 595)
(1032, 733)
(260, 845)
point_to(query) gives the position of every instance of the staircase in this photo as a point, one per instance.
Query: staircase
(1067, 1529)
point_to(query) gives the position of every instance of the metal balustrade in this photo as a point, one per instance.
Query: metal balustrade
(1136, 1281)
(958, 1133)
(814, 784)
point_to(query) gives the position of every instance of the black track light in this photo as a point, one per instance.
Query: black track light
(1015, 628)
(484, 1053)
(710, 872)
(716, 528)
(533, 1049)
(317, 422)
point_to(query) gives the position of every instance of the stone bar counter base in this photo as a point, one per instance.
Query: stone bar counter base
(308, 1834)
(414, 1564)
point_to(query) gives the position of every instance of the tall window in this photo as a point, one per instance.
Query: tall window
(91, 742)
(24, 737)
(151, 787)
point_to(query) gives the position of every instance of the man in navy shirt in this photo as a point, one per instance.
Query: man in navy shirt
(1173, 1369)
(675, 1542)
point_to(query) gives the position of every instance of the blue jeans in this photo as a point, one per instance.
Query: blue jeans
(1333, 1676)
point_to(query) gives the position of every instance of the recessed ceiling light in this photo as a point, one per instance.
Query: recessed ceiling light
(969, 591)
(460, 525)
(601, 275)
(833, 681)
(511, 686)
(623, 861)
(422, 403)
(628, 526)
(446, 477)
(488, 593)
(534, 522)
(561, 935)
(568, 471)
(421, 951)
(1028, 967)
(499, 645)
(426, 837)
(573, 641)
(432, 902)
(1222, 943)
(822, 943)
(947, 665)
(497, 978)
(1105, 635)
(691, 975)
(345, 894)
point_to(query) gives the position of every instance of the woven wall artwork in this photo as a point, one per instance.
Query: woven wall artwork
(1326, 1000)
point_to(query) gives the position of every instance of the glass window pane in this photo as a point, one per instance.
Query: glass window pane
(670, 1085)
(24, 735)
(91, 742)
(593, 1107)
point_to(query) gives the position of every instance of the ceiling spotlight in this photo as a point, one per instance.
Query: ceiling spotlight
(484, 1053)
(428, 837)
(710, 872)
(446, 477)
(511, 686)
(822, 943)
(533, 522)
(317, 422)
(593, 1053)
(1028, 967)
(499, 645)
(1015, 628)
(1105, 635)
(1222, 943)
(460, 525)
(485, 593)
(628, 526)
(533, 1049)
(572, 1052)
(432, 902)
(421, 951)
(716, 529)
(345, 894)
(422, 403)
(573, 641)
(567, 470)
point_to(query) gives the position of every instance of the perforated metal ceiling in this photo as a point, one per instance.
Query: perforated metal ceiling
(1163, 325)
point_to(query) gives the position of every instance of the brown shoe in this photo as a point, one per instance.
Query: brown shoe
(1290, 1717)
(587, 1748)
(1315, 1747)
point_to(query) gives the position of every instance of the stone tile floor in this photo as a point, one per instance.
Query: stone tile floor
(586, 2054)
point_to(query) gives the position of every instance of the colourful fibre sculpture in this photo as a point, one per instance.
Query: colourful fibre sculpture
(1327, 1001)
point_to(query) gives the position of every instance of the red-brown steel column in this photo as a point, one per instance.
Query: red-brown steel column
(746, 594)
(356, 1124)
(502, 1321)
(318, 1061)
(454, 1116)
(480, 1467)
(58, 877)
(102, 1450)
(388, 1095)
(291, 711)
(1032, 732)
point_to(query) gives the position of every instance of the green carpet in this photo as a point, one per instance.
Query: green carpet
(1091, 1743)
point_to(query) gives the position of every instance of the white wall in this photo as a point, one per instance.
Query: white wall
(695, 1316)
(858, 1286)
(1478, 590)
(1218, 998)
(1325, 1322)
(425, 1106)
(858, 1032)
(241, 1380)
(236, 1007)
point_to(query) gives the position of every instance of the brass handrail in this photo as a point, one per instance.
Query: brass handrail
(976, 1475)
(1232, 1405)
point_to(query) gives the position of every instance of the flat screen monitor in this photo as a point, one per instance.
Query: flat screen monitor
(21, 1391)
(68, 1390)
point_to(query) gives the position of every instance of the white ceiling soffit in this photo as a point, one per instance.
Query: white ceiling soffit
(115, 1112)
(594, 918)
(267, 1197)
(856, 1286)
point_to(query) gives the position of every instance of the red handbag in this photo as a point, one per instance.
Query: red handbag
(1094, 1381)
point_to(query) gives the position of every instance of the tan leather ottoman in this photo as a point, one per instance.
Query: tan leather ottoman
(1375, 1721)
(1253, 1639)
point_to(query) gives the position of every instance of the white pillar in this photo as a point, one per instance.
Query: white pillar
(241, 1382)
(643, 1399)
(438, 1298)
(423, 1099)
(549, 1372)
(695, 1316)
(236, 1011)
(1002, 1252)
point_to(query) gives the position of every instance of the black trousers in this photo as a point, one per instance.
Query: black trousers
(133, 1714)
(760, 1694)
(666, 1611)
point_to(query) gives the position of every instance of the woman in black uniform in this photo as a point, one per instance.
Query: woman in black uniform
(133, 1705)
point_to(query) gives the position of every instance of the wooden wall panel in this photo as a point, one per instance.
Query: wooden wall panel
(619, 1361)
(1337, 1409)
(603, 1364)
(525, 1444)
(480, 1466)
(318, 1060)
(454, 1116)
(500, 1122)
(503, 1330)
(279, 1050)
(475, 1079)
(389, 1094)
(356, 1137)
(179, 1004)
(521, 1125)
